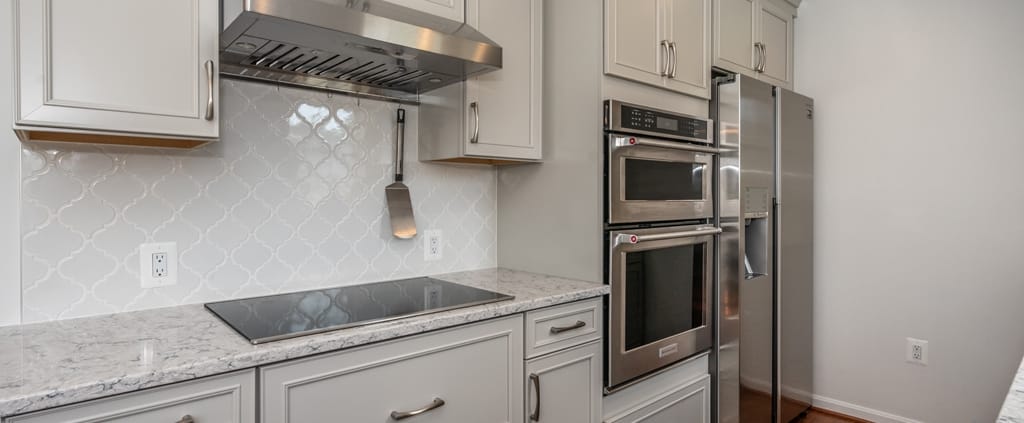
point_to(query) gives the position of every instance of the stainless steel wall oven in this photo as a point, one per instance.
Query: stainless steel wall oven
(659, 239)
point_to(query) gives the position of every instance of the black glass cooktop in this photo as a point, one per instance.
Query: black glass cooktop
(276, 317)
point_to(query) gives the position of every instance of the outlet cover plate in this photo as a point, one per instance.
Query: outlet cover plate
(917, 351)
(147, 256)
(433, 245)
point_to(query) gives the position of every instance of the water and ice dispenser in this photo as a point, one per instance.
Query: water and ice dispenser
(757, 231)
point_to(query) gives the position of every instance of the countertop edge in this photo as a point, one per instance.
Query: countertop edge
(1013, 407)
(324, 343)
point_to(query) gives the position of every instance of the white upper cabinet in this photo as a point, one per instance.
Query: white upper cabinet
(495, 117)
(777, 43)
(665, 43)
(129, 72)
(449, 9)
(755, 38)
(636, 45)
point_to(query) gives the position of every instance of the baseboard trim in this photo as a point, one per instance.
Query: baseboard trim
(832, 405)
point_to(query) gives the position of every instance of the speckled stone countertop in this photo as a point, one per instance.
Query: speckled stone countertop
(51, 364)
(1013, 408)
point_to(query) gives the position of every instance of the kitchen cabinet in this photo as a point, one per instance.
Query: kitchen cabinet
(690, 402)
(664, 43)
(229, 398)
(130, 72)
(449, 9)
(493, 118)
(468, 374)
(755, 38)
(565, 387)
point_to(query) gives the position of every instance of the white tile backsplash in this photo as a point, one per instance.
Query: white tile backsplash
(291, 198)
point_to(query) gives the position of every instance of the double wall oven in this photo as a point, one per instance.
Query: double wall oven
(659, 239)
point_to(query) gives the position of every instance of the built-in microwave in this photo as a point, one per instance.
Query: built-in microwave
(658, 165)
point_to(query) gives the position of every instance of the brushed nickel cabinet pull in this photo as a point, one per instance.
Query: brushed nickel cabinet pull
(402, 415)
(673, 61)
(535, 415)
(209, 90)
(476, 117)
(764, 56)
(757, 60)
(579, 324)
(664, 57)
(187, 419)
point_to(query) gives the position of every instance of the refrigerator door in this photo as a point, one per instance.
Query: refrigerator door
(746, 112)
(795, 260)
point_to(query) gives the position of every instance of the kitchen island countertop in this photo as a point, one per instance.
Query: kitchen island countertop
(1013, 408)
(50, 364)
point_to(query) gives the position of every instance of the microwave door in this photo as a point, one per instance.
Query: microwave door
(649, 182)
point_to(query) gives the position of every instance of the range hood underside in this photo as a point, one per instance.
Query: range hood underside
(274, 49)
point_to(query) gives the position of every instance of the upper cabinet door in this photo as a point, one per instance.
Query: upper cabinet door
(688, 30)
(734, 22)
(132, 67)
(448, 9)
(635, 41)
(504, 107)
(776, 31)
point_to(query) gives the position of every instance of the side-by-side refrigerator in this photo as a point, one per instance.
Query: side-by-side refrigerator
(765, 271)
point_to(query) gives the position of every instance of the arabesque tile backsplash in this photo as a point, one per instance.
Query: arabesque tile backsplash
(291, 198)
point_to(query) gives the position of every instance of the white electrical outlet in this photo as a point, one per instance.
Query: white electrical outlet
(158, 264)
(433, 245)
(917, 351)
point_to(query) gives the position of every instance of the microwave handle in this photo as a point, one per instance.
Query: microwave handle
(636, 239)
(621, 141)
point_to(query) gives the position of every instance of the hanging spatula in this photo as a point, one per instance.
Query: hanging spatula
(403, 225)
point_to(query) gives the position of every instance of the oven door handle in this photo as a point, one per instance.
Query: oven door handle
(622, 141)
(636, 239)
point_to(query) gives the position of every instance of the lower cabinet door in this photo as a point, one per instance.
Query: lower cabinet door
(690, 403)
(226, 398)
(565, 387)
(467, 374)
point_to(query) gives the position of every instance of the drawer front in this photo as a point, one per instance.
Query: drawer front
(690, 403)
(476, 370)
(216, 399)
(563, 326)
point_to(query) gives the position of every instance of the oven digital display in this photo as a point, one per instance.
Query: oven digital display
(667, 124)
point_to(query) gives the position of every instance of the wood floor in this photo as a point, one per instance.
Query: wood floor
(818, 416)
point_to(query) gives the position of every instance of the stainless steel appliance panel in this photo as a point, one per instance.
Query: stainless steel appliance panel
(651, 180)
(796, 252)
(747, 121)
(660, 304)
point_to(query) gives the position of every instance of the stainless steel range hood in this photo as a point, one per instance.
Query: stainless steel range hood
(364, 47)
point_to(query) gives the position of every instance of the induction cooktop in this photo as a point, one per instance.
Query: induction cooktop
(282, 316)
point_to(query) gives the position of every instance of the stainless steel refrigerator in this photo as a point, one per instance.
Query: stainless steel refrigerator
(765, 272)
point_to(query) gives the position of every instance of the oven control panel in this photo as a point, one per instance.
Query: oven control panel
(631, 118)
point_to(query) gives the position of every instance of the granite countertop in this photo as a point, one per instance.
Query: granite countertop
(1013, 408)
(51, 364)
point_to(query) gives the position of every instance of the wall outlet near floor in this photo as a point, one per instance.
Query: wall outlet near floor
(917, 351)
(433, 245)
(158, 264)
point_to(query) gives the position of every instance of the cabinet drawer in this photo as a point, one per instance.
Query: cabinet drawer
(563, 326)
(221, 399)
(689, 403)
(476, 370)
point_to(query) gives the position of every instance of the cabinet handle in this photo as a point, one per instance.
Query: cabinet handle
(476, 128)
(664, 57)
(672, 61)
(401, 415)
(209, 90)
(187, 419)
(535, 415)
(764, 56)
(757, 57)
(557, 330)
